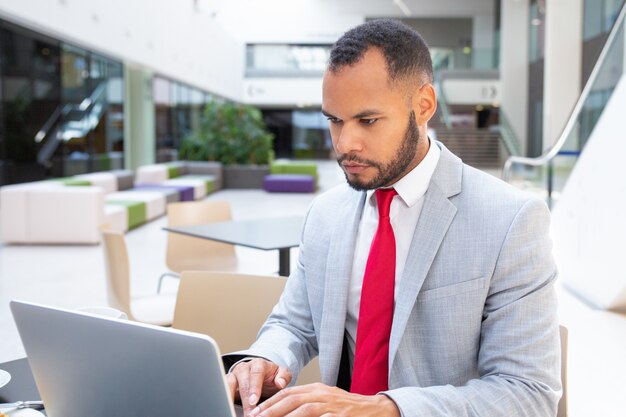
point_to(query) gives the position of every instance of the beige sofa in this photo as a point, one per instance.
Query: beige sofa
(63, 211)
(71, 210)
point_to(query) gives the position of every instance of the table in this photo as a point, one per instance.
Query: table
(22, 385)
(282, 233)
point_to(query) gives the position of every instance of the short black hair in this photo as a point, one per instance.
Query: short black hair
(404, 49)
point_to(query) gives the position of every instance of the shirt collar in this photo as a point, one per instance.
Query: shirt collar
(414, 184)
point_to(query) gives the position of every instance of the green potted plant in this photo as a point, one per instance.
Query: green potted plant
(235, 135)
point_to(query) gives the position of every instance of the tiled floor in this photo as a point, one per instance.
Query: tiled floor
(73, 276)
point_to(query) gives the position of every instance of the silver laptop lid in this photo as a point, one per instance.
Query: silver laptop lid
(86, 365)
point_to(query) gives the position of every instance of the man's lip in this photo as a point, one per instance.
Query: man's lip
(352, 168)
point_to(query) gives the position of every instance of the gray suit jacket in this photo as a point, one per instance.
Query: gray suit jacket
(474, 332)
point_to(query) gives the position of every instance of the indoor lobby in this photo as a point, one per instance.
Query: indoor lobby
(105, 108)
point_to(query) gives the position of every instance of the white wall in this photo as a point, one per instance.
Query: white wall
(173, 38)
(468, 91)
(321, 21)
(514, 66)
(325, 20)
(563, 65)
(283, 92)
(589, 221)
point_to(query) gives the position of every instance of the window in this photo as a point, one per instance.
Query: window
(267, 60)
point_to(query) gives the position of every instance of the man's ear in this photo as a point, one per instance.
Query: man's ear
(424, 104)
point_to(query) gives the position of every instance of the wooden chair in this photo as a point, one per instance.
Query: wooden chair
(563, 401)
(156, 309)
(187, 253)
(231, 308)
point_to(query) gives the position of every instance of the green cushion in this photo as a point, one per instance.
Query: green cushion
(136, 211)
(291, 167)
(209, 181)
(71, 181)
(173, 170)
(77, 183)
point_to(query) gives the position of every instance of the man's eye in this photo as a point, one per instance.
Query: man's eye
(368, 121)
(333, 120)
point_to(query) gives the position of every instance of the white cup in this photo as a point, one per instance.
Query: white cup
(109, 312)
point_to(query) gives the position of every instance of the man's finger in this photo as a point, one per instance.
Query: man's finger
(283, 378)
(232, 386)
(242, 374)
(259, 369)
(286, 401)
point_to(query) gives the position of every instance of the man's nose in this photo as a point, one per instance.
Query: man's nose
(348, 141)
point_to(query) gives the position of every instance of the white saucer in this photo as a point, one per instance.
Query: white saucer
(24, 412)
(5, 377)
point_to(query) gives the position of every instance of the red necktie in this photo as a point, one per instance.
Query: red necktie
(370, 372)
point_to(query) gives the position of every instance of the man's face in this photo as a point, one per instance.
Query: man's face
(372, 124)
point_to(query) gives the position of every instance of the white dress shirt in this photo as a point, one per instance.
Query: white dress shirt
(404, 213)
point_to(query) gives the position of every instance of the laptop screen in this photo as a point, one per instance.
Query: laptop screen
(86, 365)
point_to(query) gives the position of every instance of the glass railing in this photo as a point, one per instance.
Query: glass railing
(302, 60)
(548, 173)
(464, 58)
(286, 60)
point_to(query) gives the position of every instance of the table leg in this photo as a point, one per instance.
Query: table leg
(283, 262)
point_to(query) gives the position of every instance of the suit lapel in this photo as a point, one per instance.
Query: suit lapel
(338, 272)
(435, 219)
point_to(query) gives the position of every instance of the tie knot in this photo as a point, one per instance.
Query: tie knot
(383, 198)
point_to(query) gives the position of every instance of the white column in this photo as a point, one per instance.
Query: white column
(563, 65)
(514, 66)
(139, 118)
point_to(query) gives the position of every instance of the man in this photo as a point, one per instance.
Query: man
(425, 286)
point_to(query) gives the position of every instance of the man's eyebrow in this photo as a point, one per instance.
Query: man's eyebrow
(367, 113)
(360, 115)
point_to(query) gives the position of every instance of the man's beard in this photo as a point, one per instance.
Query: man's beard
(390, 172)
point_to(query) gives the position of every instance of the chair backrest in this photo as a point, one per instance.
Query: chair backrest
(192, 253)
(231, 308)
(117, 270)
(563, 401)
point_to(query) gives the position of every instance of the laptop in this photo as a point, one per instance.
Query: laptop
(87, 365)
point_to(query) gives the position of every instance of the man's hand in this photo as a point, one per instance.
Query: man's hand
(249, 381)
(316, 400)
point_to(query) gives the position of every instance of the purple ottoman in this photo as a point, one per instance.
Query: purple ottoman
(185, 193)
(289, 183)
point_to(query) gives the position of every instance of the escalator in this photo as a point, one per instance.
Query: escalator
(72, 139)
(61, 108)
(70, 133)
